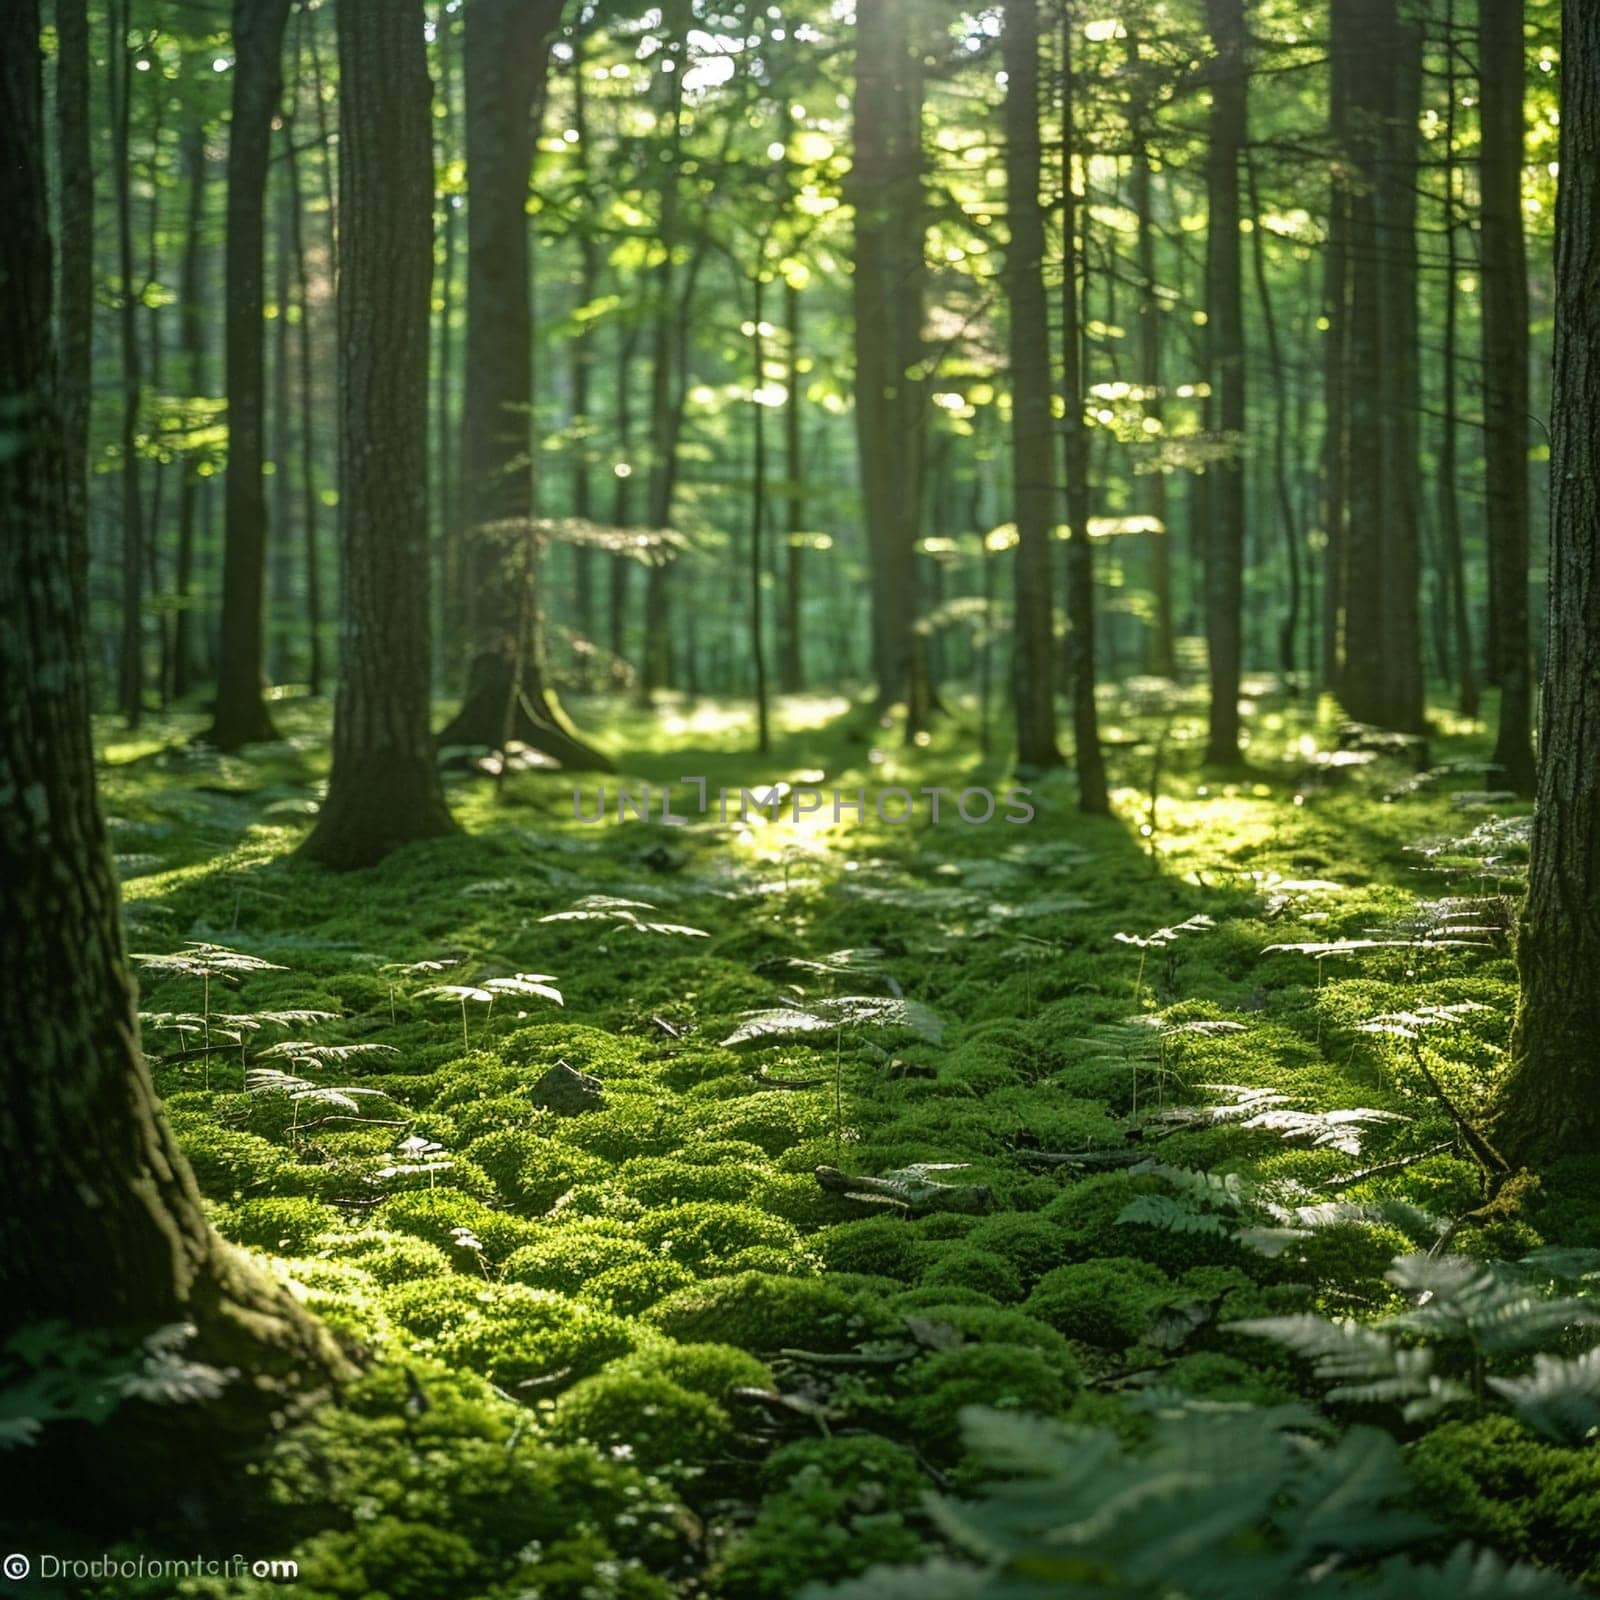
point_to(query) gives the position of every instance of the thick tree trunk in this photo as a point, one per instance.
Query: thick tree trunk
(888, 290)
(583, 360)
(1505, 378)
(1087, 755)
(384, 790)
(1551, 1103)
(241, 716)
(281, 555)
(505, 59)
(1382, 680)
(102, 1225)
(1032, 426)
(1225, 345)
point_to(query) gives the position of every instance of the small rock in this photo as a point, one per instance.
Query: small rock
(568, 1092)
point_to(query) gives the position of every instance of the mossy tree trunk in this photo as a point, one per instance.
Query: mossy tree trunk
(1032, 427)
(241, 715)
(1551, 1102)
(102, 1226)
(385, 789)
(505, 59)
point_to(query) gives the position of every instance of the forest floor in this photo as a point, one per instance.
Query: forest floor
(706, 1371)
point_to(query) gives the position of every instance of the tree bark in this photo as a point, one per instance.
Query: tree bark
(1225, 347)
(1032, 426)
(1505, 379)
(505, 58)
(192, 334)
(1551, 1102)
(241, 715)
(791, 658)
(130, 656)
(1087, 755)
(1382, 680)
(888, 286)
(102, 1226)
(1336, 357)
(1455, 571)
(75, 306)
(384, 790)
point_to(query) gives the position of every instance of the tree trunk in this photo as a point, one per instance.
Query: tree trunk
(791, 660)
(1162, 651)
(888, 288)
(1032, 426)
(758, 509)
(1455, 572)
(505, 59)
(1225, 347)
(281, 562)
(384, 790)
(192, 334)
(1551, 1103)
(583, 359)
(75, 308)
(241, 716)
(312, 545)
(1087, 755)
(1505, 379)
(130, 657)
(102, 1226)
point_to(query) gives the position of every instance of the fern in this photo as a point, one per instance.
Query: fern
(830, 1016)
(621, 914)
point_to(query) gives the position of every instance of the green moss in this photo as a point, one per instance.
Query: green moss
(1008, 1377)
(1032, 1244)
(530, 1170)
(958, 1265)
(988, 1324)
(642, 1417)
(835, 1507)
(573, 1256)
(514, 1334)
(703, 1233)
(289, 1226)
(1108, 1303)
(883, 1246)
(757, 1311)
(387, 1258)
(438, 1215)
(634, 1286)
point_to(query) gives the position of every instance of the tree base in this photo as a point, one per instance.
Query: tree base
(537, 720)
(384, 800)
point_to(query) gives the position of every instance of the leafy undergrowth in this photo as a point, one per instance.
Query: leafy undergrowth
(1146, 1129)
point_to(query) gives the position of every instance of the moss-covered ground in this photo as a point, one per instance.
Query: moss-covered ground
(636, 1348)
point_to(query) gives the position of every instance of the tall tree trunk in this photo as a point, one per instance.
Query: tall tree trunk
(130, 657)
(1551, 1103)
(620, 567)
(1505, 379)
(583, 359)
(192, 314)
(311, 548)
(888, 290)
(75, 307)
(758, 508)
(94, 1178)
(1162, 652)
(1032, 426)
(1287, 522)
(505, 59)
(791, 660)
(1381, 680)
(241, 716)
(1225, 348)
(1455, 569)
(281, 553)
(1087, 755)
(384, 790)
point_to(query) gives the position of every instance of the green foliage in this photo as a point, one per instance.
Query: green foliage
(760, 1312)
(1108, 1303)
(641, 1417)
(960, 1265)
(1009, 1377)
